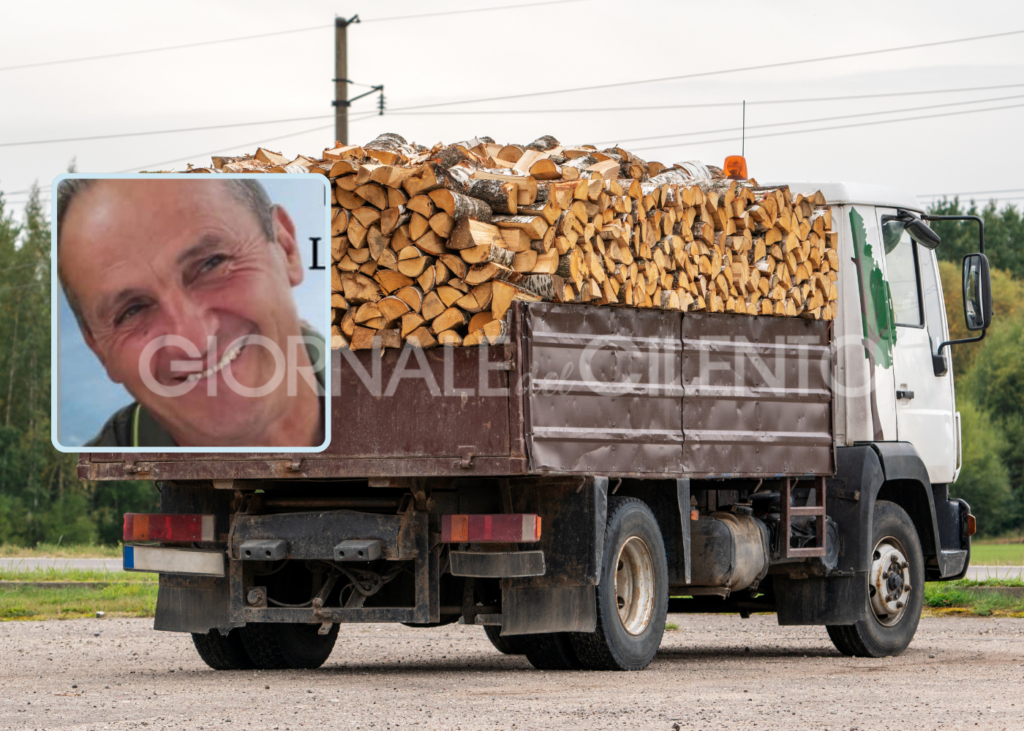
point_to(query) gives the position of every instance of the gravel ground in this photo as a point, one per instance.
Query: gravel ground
(713, 672)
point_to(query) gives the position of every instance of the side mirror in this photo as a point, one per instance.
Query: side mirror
(894, 226)
(922, 234)
(977, 292)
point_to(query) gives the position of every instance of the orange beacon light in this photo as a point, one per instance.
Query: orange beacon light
(736, 167)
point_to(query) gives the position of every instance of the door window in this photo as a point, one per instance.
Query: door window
(904, 288)
(932, 299)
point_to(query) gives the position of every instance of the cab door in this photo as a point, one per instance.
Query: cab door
(924, 385)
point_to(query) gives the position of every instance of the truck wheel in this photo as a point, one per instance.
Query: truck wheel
(632, 598)
(222, 652)
(275, 646)
(511, 645)
(895, 589)
(550, 651)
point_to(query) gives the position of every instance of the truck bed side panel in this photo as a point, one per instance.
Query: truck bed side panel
(410, 411)
(575, 390)
(757, 396)
(604, 394)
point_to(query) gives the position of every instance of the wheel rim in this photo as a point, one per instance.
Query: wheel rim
(889, 587)
(634, 585)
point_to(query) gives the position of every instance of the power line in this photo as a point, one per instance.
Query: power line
(985, 201)
(159, 50)
(472, 10)
(813, 121)
(221, 149)
(704, 74)
(269, 35)
(532, 111)
(244, 144)
(838, 126)
(136, 168)
(712, 104)
(166, 131)
(42, 198)
(887, 94)
(970, 192)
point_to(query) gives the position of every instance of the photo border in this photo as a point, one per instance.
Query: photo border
(55, 313)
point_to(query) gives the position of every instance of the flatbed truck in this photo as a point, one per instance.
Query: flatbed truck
(600, 468)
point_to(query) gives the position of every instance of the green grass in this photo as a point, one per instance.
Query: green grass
(58, 574)
(669, 626)
(963, 597)
(997, 554)
(52, 550)
(126, 599)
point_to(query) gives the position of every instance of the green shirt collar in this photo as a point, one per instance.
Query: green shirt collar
(142, 430)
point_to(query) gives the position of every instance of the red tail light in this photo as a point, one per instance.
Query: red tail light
(503, 528)
(170, 528)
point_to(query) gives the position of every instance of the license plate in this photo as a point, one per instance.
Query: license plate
(173, 560)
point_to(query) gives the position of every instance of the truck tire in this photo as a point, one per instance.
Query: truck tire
(511, 645)
(895, 589)
(550, 651)
(222, 652)
(632, 597)
(273, 646)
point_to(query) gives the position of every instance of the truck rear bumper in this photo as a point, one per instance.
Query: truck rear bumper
(504, 565)
(174, 561)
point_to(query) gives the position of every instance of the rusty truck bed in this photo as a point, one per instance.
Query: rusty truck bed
(575, 389)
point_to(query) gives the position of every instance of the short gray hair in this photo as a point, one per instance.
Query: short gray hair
(250, 193)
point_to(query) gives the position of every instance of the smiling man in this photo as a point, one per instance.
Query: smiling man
(183, 290)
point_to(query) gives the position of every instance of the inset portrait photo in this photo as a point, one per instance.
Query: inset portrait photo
(190, 313)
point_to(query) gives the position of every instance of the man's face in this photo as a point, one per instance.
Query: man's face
(148, 259)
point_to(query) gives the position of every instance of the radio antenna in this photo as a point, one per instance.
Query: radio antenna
(743, 139)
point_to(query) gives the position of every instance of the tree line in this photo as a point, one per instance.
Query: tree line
(42, 499)
(989, 374)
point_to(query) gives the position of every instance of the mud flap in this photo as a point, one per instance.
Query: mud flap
(193, 604)
(819, 600)
(574, 512)
(557, 609)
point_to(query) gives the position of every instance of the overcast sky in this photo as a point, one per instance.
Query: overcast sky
(505, 52)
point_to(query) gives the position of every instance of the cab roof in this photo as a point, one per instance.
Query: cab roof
(862, 193)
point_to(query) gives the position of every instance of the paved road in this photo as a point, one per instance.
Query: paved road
(713, 672)
(114, 564)
(995, 572)
(31, 564)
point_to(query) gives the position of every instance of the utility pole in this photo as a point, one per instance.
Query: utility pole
(341, 78)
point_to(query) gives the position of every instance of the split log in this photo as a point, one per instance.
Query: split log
(460, 206)
(532, 226)
(488, 253)
(469, 233)
(500, 195)
(505, 293)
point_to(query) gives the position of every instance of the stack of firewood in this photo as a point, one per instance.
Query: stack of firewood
(432, 246)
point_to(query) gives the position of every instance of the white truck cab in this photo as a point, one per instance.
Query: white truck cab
(893, 383)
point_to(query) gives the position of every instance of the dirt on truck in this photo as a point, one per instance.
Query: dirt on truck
(587, 469)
